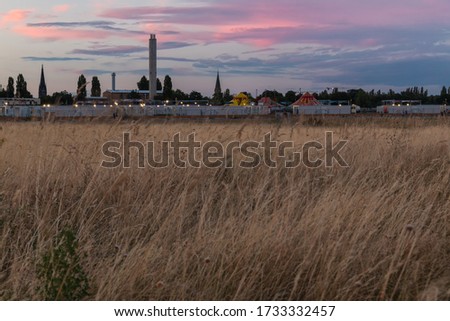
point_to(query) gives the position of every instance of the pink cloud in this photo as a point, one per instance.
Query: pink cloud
(205, 15)
(369, 42)
(339, 13)
(14, 16)
(257, 35)
(214, 23)
(60, 33)
(91, 30)
(61, 8)
(261, 24)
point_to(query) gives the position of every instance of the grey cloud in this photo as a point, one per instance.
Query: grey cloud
(174, 45)
(226, 57)
(258, 51)
(98, 24)
(175, 59)
(168, 32)
(95, 72)
(110, 51)
(30, 58)
(408, 72)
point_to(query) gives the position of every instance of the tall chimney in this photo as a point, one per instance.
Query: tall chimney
(113, 76)
(152, 67)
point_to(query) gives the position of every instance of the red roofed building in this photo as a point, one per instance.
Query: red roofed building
(267, 102)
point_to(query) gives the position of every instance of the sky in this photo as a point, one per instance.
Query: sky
(255, 44)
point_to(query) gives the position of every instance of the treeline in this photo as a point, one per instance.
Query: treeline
(17, 90)
(166, 92)
(66, 98)
(371, 99)
(360, 97)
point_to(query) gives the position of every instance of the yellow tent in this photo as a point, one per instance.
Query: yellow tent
(240, 99)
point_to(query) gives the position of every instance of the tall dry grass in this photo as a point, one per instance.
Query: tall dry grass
(378, 230)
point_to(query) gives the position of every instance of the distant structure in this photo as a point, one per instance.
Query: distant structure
(42, 85)
(113, 80)
(217, 98)
(152, 66)
(218, 88)
(116, 95)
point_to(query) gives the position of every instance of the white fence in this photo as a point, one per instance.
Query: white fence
(206, 111)
(133, 111)
(416, 109)
(322, 110)
(201, 111)
(21, 111)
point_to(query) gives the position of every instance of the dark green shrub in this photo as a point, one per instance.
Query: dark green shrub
(60, 274)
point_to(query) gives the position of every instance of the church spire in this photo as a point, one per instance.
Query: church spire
(218, 88)
(42, 85)
(217, 98)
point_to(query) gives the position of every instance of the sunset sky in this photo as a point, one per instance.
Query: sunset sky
(256, 44)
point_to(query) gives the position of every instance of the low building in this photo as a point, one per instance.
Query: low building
(118, 96)
(20, 101)
(93, 101)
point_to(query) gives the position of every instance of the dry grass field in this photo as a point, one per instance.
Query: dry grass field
(377, 230)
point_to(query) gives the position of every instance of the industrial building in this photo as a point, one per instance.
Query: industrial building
(115, 95)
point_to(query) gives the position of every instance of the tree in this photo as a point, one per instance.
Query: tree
(290, 96)
(21, 88)
(195, 95)
(61, 98)
(217, 98)
(273, 94)
(10, 88)
(339, 95)
(361, 98)
(324, 95)
(250, 97)
(143, 84)
(227, 97)
(158, 84)
(180, 95)
(96, 89)
(81, 88)
(167, 90)
(443, 94)
(47, 100)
